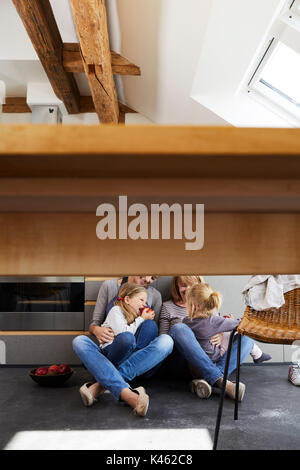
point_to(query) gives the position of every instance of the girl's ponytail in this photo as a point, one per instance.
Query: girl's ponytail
(202, 301)
(214, 301)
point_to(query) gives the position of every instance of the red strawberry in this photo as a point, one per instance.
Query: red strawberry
(41, 371)
(64, 368)
(53, 370)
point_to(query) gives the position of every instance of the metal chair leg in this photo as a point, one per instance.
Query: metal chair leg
(236, 406)
(220, 410)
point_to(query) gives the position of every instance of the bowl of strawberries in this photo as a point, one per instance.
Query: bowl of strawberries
(52, 376)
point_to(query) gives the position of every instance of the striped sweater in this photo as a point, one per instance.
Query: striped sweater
(170, 314)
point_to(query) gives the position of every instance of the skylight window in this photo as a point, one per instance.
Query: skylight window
(276, 81)
(281, 73)
(295, 6)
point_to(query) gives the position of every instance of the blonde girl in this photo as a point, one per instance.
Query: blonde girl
(129, 311)
(203, 303)
(135, 349)
(180, 284)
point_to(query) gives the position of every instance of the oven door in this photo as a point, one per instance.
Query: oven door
(47, 303)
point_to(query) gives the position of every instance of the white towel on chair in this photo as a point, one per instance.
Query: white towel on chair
(266, 291)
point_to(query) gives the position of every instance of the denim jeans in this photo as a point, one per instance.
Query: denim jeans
(187, 344)
(126, 343)
(115, 379)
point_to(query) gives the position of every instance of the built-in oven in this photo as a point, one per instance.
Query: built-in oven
(41, 303)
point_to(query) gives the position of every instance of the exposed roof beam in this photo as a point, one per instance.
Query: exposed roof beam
(91, 25)
(19, 105)
(73, 62)
(87, 106)
(15, 105)
(38, 19)
(123, 111)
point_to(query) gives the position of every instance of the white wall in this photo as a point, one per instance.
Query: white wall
(14, 41)
(2, 92)
(18, 118)
(236, 33)
(63, 15)
(164, 38)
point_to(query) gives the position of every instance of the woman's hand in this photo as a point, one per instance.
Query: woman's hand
(148, 314)
(216, 340)
(103, 334)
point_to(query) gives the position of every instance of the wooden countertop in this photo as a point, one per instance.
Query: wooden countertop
(52, 179)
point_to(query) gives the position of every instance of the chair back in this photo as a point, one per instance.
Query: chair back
(274, 325)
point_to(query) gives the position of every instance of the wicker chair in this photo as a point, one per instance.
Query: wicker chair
(275, 325)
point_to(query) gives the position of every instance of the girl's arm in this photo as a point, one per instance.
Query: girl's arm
(224, 324)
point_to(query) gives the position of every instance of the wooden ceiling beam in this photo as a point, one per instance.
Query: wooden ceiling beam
(38, 19)
(91, 25)
(87, 106)
(15, 105)
(73, 62)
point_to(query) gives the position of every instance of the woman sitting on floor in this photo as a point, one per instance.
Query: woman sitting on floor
(134, 350)
(188, 360)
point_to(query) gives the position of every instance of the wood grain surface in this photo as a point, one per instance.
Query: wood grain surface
(91, 26)
(38, 19)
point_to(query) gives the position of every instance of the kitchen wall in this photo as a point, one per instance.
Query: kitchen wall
(26, 348)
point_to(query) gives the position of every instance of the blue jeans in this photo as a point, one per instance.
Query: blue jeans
(126, 343)
(187, 344)
(115, 379)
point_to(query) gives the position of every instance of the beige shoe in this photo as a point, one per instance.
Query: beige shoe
(200, 388)
(241, 392)
(87, 398)
(142, 403)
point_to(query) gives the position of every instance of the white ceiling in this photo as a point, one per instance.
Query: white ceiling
(165, 38)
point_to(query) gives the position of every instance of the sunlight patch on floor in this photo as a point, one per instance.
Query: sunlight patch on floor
(119, 439)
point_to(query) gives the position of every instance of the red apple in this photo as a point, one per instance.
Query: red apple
(41, 371)
(142, 309)
(53, 370)
(64, 368)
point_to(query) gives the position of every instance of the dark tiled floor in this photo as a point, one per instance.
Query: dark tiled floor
(269, 415)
